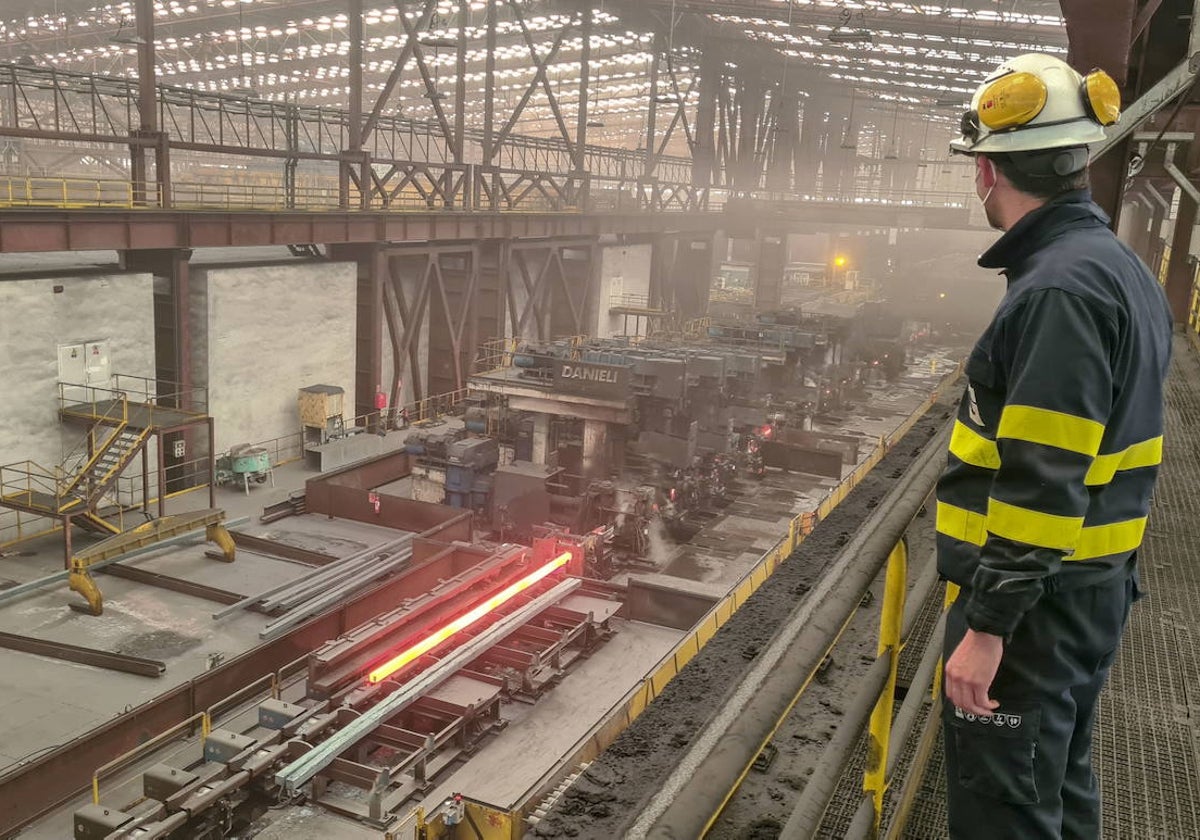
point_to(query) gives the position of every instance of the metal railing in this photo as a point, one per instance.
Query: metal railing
(90, 448)
(443, 187)
(75, 193)
(873, 707)
(289, 448)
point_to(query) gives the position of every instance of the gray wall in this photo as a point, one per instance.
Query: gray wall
(624, 270)
(34, 320)
(260, 333)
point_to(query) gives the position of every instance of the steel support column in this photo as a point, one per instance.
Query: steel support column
(1180, 269)
(147, 103)
(704, 156)
(768, 271)
(174, 359)
(750, 103)
(489, 88)
(368, 341)
(581, 116)
(352, 156)
(460, 89)
(812, 131)
(652, 114)
(782, 140)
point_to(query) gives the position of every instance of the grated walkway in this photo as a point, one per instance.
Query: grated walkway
(1147, 740)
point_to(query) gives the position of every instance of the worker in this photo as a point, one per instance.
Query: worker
(1052, 461)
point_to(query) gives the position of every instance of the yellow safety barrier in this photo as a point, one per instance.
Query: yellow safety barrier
(1194, 311)
(74, 193)
(890, 626)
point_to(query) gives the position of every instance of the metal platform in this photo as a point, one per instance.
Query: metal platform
(141, 415)
(1147, 740)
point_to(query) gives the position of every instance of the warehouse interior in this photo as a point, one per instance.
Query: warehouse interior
(437, 419)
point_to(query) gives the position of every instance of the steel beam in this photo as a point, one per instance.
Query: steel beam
(279, 550)
(299, 772)
(86, 230)
(1149, 103)
(83, 655)
(174, 584)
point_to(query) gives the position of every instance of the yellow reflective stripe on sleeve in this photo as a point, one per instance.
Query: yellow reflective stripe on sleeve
(1148, 453)
(1033, 527)
(1103, 540)
(961, 524)
(1052, 428)
(970, 447)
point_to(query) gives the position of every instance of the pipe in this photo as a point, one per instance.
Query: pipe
(1178, 177)
(728, 744)
(863, 824)
(913, 779)
(814, 801)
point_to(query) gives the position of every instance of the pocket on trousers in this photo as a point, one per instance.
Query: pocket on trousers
(997, 754)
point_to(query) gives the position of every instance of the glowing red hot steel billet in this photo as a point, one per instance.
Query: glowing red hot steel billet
(462, 622)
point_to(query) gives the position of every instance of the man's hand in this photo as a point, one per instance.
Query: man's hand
(970, 672)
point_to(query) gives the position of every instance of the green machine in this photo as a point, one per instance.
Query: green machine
(245, 464)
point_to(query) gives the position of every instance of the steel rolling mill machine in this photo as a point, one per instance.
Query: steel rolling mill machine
(380, 713)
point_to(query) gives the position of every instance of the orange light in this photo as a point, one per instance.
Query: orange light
(462, 622)
(840, 262)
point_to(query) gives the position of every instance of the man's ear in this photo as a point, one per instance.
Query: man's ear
(987, 171)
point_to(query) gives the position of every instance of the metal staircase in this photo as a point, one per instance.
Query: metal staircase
(85, 491)
(77, 488)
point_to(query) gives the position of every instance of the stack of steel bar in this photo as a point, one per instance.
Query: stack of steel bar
(312, 593)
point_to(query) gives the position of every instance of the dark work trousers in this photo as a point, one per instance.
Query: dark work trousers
(1025, 772)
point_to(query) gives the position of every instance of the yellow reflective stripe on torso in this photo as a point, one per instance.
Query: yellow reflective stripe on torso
(1092, 541)
(1103, 540)
(1052, 428)
(970, 447)
(1148, 453)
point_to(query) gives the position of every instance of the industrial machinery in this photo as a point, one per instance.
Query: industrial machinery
(462, 465)
(244, 464)
(381, 713)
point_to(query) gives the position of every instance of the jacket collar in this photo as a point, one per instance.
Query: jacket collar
(1038, 227)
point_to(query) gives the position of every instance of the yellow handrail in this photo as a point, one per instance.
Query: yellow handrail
(890, 627)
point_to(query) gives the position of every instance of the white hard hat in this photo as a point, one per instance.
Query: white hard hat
(1036, 102)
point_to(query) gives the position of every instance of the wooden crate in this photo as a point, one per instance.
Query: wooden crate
(318, 403)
